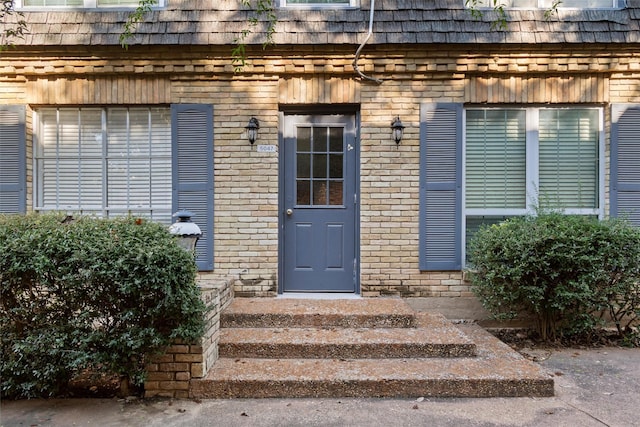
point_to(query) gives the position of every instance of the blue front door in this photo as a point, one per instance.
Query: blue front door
(319, 204)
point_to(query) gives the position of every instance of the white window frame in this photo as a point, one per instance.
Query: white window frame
(88, 4)
(158, 210)
(314, 5)
(547, 4)
(532, 116)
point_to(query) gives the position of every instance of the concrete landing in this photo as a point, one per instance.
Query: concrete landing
(398, 353)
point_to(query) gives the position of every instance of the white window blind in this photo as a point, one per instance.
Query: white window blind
(547, 4)
(105, 161)
(47, 3)
(318, 3)
(71, 159)
(117, 3)
(495, 159)
(81, 3)
(569, 158)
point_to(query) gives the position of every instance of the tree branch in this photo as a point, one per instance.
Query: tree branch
(501, 24)
(263, 9)
(13, 23)
(137, 16)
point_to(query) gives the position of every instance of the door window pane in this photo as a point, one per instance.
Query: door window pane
(335, 193)
(319, 166)
(320, 135)
(303, 192)
(336, 140)
(319, 193)
(304, 165)
(319, 156)
(303, 140)
(336, 165)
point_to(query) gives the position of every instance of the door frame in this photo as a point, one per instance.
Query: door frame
(317, 110)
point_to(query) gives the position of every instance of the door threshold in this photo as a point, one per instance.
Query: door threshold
(317, 295)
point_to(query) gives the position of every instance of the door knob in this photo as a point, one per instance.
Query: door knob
(289, 212)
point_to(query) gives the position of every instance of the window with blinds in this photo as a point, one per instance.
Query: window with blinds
(82, 3)
(547, 4)
(568, 146)
(519, 160)
(496, 158)
(107, 162)
(318, 3)
(47, 3)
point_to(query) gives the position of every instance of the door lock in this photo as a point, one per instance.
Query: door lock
(289, 212)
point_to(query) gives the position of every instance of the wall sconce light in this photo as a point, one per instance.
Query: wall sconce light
(252, 130)
(397, 129)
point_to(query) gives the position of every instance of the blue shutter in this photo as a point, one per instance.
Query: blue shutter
(625, 161)
(192, 170)
(13, 159)
(440, 186)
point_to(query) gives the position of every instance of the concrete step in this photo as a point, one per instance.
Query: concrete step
(495, 371)
(434, 337)
(359, 348)
(305, 313)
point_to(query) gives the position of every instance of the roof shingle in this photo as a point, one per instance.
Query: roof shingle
(395, 21)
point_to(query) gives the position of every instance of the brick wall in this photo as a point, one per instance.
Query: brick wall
(246, 181)
(169, 374)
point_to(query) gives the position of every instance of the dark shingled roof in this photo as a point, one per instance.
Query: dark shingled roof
(218, 22)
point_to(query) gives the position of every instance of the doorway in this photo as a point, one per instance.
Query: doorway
(319, 241)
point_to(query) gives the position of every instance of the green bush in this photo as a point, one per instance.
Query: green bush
(566, 271)
(91, 294)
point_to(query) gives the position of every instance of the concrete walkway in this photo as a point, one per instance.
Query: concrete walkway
(598, 387)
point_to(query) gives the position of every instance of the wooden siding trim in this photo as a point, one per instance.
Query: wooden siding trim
(318, 89)
(102, 90)
(569, 89)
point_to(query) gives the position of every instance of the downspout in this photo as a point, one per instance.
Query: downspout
(355, 60)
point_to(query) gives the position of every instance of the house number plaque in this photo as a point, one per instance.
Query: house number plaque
(266, 148)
